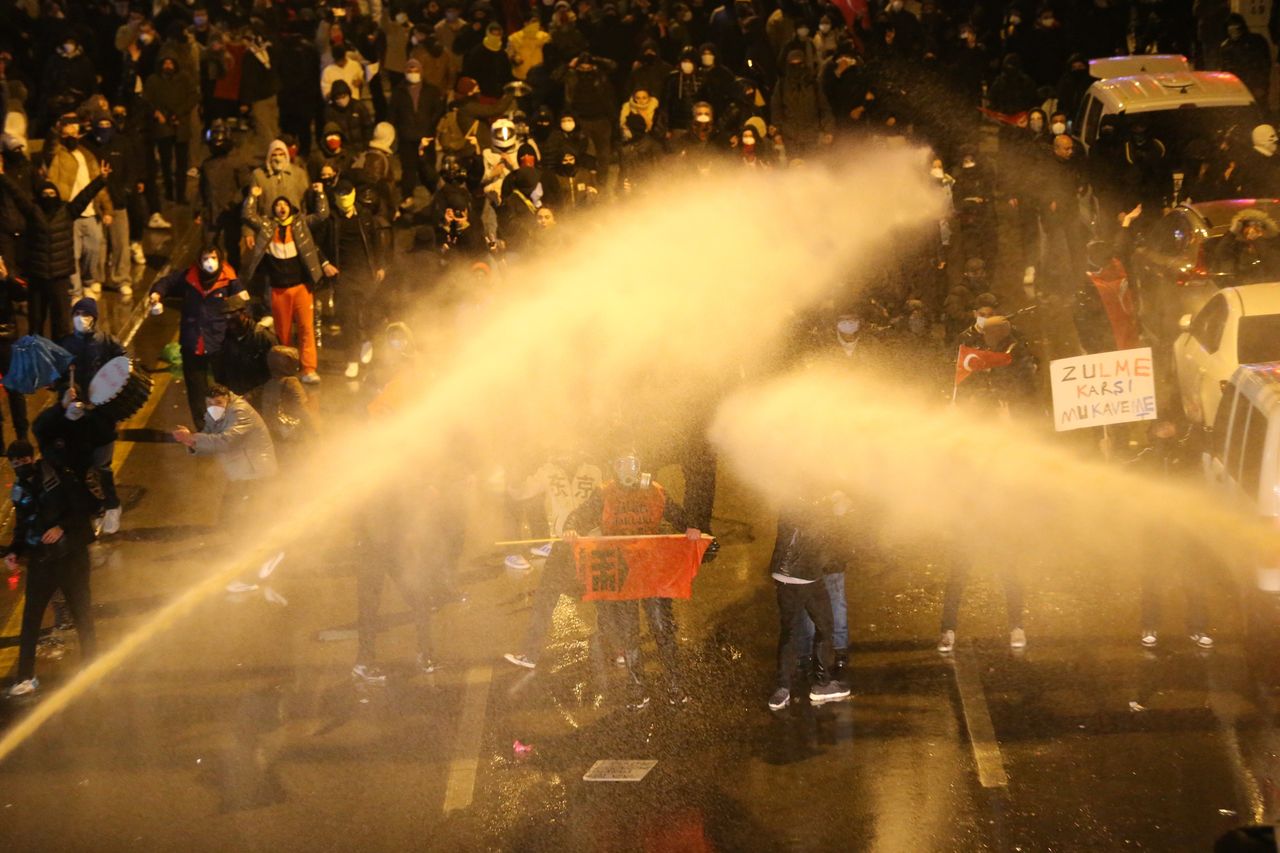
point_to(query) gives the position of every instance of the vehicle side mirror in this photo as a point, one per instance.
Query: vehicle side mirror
(1184, 323)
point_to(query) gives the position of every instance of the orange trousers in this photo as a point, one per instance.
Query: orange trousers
(288, 303)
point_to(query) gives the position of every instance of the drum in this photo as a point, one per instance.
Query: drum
(119, 389)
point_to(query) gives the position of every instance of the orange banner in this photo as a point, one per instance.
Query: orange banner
(620, 569)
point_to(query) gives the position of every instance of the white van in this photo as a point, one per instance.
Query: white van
(1242, 462)
(1177, 105)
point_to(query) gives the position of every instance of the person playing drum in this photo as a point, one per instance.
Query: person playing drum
(73, 433)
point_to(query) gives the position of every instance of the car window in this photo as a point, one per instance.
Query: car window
(1258, 338)
(1222, 418)
(1170, 235)
(1255, 439)
(1207, 326)
(1236, 438)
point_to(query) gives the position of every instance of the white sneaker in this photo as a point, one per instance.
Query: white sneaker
(311, 378)
(1204, 641)
(517, 563)
(366, 352)
(139, 256)
(369, 675)
(543, 550)
(1149, 638)
(158, 222)
(271, 564)
(193, 172)
(267, 322)
(519, 660)
(947, 641)
(241, 586)
(1017, 639)
(780, 699)
(111, 521)
(24, 688)
(126, 290)
(1029, 275)
(95, 290)
(353, 369)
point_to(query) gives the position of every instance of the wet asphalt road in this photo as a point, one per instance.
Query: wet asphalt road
(241, 728)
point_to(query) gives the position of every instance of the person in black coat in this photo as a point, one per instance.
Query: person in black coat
(415, 110)
(241, 364)
(1247, 55)
(354, 239)
(297, 62)
(52, 529)
(51, 256)
(11, 291)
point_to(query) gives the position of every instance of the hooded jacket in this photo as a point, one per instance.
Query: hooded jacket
(175, 96)
(91, 349)
(51, 252)
(290, 181)
(354, 118)
(300, 225)
(204, 305)
(284, 400)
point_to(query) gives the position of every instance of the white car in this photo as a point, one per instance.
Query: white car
(1238, 325)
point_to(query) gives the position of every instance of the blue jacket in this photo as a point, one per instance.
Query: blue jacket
(204, 314)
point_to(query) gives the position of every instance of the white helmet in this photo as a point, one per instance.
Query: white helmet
(503, 133)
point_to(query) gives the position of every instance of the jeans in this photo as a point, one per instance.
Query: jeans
(48, 298)
(839, 615)
(1156, 581)
(173, 168)
(625, 621)
(100, 467)
(558, 578)
(119, 269)
(955, 591)
(89, 251)
(369, 582)
(793, 599)
(45, 576)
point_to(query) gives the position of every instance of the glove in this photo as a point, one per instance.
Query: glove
(75, 411)
(157, 309)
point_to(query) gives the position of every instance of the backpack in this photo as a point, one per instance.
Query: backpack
(449, 136)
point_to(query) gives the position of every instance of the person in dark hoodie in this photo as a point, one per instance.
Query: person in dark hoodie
(680, 93)
(354, 239)
(332, 152)
(51, 258)
(11, 292)
(223, 176)
(242, 361)
(349, 114)
(590, 98)
(172, 95)
(206, 288)
(1247, 55)
(1073, 84)
(284, 404)
(488, 64)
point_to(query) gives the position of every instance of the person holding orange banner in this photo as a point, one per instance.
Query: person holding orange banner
(631, 504)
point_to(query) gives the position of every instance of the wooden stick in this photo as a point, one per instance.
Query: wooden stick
(598, 538)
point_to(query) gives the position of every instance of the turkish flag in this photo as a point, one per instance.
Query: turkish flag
(626, 568)
(1112, 284)
(1014, 119)
(970, 360)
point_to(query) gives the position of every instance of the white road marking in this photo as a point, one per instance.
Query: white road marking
(465, 765)
(977, 719)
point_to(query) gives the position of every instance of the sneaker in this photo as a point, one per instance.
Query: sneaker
(158, 222)
(369, 674)
(353, 370)
(241, 586)
(1029, 275)
(519, 660)
(829, 692)
(24, 688)
(780, 699)
(1017, 639)
(111, 521)
(426, 665)
(126, 291)
(139, 256)
(95, 290)
(311, 378)
(193, 172)
(947, 641)
(517, 563)
(620, 660)
(272, 563)
(543, 551)
(1204, 641)
(366, 352)
(1149, 638)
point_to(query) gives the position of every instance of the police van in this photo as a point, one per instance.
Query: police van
(1176, 103)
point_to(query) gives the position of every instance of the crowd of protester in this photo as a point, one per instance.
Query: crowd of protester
(314, 145)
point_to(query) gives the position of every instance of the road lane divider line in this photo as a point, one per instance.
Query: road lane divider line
(977, 720)
(463, 769)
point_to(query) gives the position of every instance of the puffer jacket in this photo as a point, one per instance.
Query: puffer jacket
(204, 307)
(302, 225)
(240, 441)
(50, 239)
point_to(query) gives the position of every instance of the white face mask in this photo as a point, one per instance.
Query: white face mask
(82, 322)
(568, 126)
(802, 32)
(686, 67)
(1058, 128)
(824, 27)
(937, 173)
(979, 323)
(209, 265)
(708, 60)
(215, 413)
(413, 77)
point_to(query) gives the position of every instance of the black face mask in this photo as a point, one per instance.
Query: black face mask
(70, 142)
(50, 204)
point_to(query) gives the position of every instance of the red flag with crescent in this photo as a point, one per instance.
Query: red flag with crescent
(1013, 119)
(970, 361)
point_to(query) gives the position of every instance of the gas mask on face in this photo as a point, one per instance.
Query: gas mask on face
(83, 323)
(626, 469)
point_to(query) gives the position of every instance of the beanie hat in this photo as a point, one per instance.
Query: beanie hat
(466, 86)
(88, 305)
